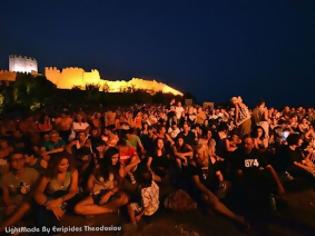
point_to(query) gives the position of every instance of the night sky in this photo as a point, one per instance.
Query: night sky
(213, 49)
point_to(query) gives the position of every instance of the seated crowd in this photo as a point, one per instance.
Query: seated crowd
(96, 163)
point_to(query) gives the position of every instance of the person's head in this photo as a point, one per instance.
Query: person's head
(209, 134)
(145, 126)
(82, 136)
(174, 126)
(202, 155)
(286, 109)
(294, 139)
(95, 132)
(162, 130)
(186, 127)
(54, 136)
(261, 104)
(99, 145)
(122, 143)
(259, 132)
(145, 177)
(304, 121)
(223, 128)
(249, 144)
(293, 118)
(159, 144)
(234, 100)
(235, 138)
(112, 154)
(79, 118)
(152, 130)
(30, 156)
(17, 161)
(180, 140)
(59, 163)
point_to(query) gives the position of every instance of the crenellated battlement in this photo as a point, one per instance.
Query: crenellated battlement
(22, 64)
(51, 68)
(6, 75)
(13, 56)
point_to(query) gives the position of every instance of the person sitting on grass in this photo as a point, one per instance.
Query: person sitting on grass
(183, 152)
(17, 186)
(159, 161)
(57, 191)
(203, 174)
(103, 186)
(55, 144)
(128, 158)
(149, 197)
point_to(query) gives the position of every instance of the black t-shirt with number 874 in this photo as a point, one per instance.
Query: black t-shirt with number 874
(249, 163)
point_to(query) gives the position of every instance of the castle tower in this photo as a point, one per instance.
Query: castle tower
(22, 64)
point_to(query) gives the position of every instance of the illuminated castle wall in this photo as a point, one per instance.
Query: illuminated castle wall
(70, 77)
(6, 75)
(22, 64)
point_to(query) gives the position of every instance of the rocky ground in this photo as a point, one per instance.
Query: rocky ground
(297, 218)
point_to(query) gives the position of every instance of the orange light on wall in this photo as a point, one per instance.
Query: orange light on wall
(77, 77)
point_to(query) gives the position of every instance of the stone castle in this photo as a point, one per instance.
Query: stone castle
(70, 77)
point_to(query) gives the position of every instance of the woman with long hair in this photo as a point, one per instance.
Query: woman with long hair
(56, 190)
(104, 187)
(260, 139)
(158, 161)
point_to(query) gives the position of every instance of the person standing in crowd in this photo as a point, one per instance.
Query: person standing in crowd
(260, 116)
(242, 116)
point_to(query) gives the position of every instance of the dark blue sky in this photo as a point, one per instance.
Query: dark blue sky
(214, 49)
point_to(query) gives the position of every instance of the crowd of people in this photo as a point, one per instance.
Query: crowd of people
(91, 163)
